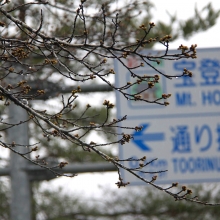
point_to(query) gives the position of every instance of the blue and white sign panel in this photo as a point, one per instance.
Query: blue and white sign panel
(184, 136)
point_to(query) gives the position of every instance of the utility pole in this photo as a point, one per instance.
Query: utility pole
(20, 183)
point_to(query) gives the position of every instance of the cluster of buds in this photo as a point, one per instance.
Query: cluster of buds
(156, 77)
(151, 80)
(57, 116)
(2, 24)
(184, 189)
(139, 81)
(143, 158)
(92, 76)
(55, 133)
(150, 40)
(189, 191)
(104, 60)
(40, 92)
(111, 71)
(138, 128)
(186, 51)
(76, 90)
(20, 53)
(183, 48)
(166, 103)
(187, 72)
(9, 87)
(108, 104)
(151, 24)
(121, 183)
(31, 116)
(34, 149)
(137, 97)
(26, 89)
(174, 184)
(125, 138)
(114, 120)
(143, 27)
(107, 158)
(166, 38)
(166, 96)
(21, 83)
(11, 69)
(141, 165)
(125, 54)
(2, 98)
(150, 84)
(158, 62)
(193, 49)
(53, 61)
(144, 42)
(154, 178)
(62, 164)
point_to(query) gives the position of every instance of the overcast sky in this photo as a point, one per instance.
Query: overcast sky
(89, 183)
(185, 9)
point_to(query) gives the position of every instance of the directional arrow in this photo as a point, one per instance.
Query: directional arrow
(140, 138)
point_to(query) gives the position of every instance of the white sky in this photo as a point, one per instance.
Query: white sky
(185, 9)
(89, 184)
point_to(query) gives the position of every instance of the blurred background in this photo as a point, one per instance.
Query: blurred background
(95, 195)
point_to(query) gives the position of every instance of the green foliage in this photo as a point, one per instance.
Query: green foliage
(50, 205)
(4, 201)
(133, 203)
(199, 22)
(140, 203)
(59, 18)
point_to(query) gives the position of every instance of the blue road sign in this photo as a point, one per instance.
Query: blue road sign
(184, 136)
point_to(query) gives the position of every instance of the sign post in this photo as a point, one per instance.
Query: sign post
(184, 136)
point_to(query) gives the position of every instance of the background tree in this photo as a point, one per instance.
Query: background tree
(40, 53)
(131, 204)
(128, 204)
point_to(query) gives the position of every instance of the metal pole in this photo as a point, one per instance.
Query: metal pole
(37, 173)
(52, 89)
(20, 183)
